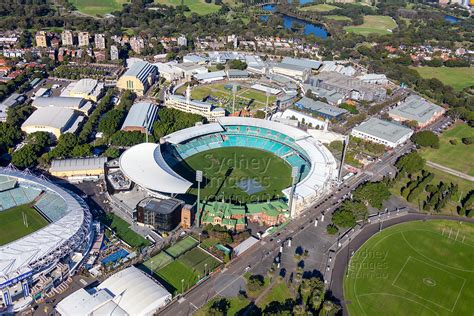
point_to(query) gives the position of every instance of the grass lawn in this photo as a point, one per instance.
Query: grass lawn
(225, 168)
(373, 24)
(173, 274)
(181, 246)
(198, 6)
(158, 261)
(415, 268)
(338, 18)
(279, 292)
(11, 223)
(456, 77)
(101, 7)
(319, 8)
(237, 304)
(123, 231)
(460, 156)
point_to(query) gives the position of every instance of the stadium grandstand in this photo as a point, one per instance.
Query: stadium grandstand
(152, 166)
(42, 258)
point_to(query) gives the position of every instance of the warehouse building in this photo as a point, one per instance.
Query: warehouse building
(127, 292)
(141, 117)
(13, 100)
(88, 89)
(210, 76)
(353, 88)
(77, 104)
(382, 132)
(190, 69)
(415, 108)
(138, 78)
(78, 168)
(303, 62)
(54, 120)
(169, 71)
(293, 71)
(321, 109)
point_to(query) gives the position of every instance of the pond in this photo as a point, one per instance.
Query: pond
(309, 28)
(451, 19)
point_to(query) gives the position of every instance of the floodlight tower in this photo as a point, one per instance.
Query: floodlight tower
(294, 174)
(345, 144)
(267, 93)
(234, 91)
(198, 210)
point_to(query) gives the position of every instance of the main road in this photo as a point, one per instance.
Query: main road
(232, 276)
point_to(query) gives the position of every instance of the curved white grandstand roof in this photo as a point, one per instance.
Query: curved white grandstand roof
(192, 132)
(48, 244)
(144, 165)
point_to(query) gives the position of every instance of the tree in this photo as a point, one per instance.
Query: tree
(329, 309)
(255, 282)
(410, 163)
(426, 139)
(259, 114)
(374, 193)
(219, 307)
(467, 140)
(111, 122)
(25, 157)
(332, 229)
(172, 120)
(84, 150)
(237, 64)
(112, 152)
(343, 218)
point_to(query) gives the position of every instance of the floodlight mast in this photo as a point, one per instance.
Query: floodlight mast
(198, 210)
(234, 91)
(294, 174)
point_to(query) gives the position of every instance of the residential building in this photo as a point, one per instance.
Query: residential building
(185, 104)
(114, 52)
(321, 109)
(99, 41)
(382, 132)
(182, 41)
(137, 44)
(54, 120)
(78, 167)
(67, 37)
(83, 38)
(42, 39)
(416, 108)
(138, 78)
(141, 117)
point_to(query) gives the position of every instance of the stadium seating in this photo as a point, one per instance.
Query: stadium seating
(52, 206)
(17, 196)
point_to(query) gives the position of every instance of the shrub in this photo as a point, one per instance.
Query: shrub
(332, 229)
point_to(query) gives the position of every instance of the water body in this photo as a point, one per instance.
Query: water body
(309, 28)
(451, 19)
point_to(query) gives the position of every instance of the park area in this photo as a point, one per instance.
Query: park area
(319, 8)
(247, 175)
(13, 225)
(452, 152)
(197, 6)
(415, 268)
(221, 94)
(101, 7)
(374, 24)
(180, 266)
(456, 77)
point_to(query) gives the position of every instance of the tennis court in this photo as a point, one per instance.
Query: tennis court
(158, 261)
(199, 261)
(181, 247)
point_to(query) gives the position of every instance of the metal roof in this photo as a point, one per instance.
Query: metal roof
(141, 70)
(385, 130)
(303, 62)
(144, 165)
(59, 118)
(193, 132)
(320, 107)
(77, 164)
(210, 75)
(142, 114)
(415, 108)
(290, 67)
(181, 99)
(59, 102)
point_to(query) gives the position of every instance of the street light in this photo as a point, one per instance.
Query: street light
(198, 211)
(205, 268)
(182, 286)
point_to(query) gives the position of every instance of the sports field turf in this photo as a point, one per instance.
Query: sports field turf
(224, 168)
(456, 77)
(173, 273)
(123, 231)
(415, 268)
(373, 24)
(458, 157)
(199, 261)
(319, 8)
(338, 18)
(158, 261)
(101, 7)
(181, 246)
(198, 6)
(11, 223)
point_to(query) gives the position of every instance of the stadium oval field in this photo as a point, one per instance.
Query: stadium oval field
(415, 268)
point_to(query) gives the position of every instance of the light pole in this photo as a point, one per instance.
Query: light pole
(182, 286)
(294, 173)
(267, 93)
(344, 149)
(234, 91)
(198, 210)
(205, 268)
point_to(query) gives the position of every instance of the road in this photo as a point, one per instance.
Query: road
(343, 256)
(232, 277)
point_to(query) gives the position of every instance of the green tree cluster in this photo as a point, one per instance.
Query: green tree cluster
(426, 139)
(410, 163)
(172, 120)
